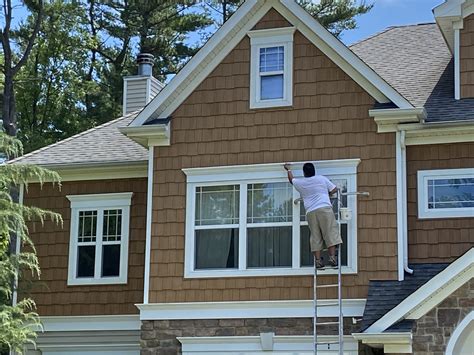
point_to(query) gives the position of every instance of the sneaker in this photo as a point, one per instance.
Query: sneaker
(333, 261)
(319, 264)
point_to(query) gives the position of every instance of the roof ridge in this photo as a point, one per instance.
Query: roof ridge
(389, 28)
(80, 134)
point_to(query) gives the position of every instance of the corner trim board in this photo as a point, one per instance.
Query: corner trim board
(149, 220)
(247, 309)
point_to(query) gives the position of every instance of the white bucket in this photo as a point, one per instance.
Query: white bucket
(345, 213)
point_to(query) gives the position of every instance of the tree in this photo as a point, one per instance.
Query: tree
(14, 59)
(336, 15)
(14, 333)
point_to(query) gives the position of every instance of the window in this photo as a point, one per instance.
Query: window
(98, 249)
(446, 193)
(271, 82)
(242, 221)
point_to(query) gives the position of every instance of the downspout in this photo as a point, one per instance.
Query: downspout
(399, 188)
(149, 215)
(404, 202)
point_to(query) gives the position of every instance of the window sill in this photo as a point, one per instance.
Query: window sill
(270, 104)
(92, 281)
(346, 270)
(456, 213)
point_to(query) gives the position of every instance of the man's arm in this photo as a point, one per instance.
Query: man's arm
(289, 173)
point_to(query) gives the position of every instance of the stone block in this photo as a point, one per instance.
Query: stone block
(147, 334)
(448, 316)
(227, 331)
(466, 302)
(161, 324)
(147, 325)
(206, 323)
(231, 322)
(255, 322)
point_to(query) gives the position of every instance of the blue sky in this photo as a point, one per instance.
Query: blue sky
(391, 13)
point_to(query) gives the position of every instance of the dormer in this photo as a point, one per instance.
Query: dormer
(455, 19)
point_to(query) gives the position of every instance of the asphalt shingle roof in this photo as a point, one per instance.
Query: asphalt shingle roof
(416, 62)
(385, 295)
(101, 144)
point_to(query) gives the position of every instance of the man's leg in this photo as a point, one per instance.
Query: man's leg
(316, 238)
(330, 230)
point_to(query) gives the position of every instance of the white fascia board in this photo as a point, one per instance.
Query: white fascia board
(248, 309)
(448, 8)
(399, 343)
(90, 323)
(438, 133)
(430, 294)
(101, 200)
(280, 343)
(230, 33)
(267, 171)
(340, 54)
(148, 136)
(387, 120)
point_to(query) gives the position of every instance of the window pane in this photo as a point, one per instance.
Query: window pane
(267, 203)
(307, 256)
(272, 59)
(112, 229)
(87, 226)
(450, 193)
(85, 261)
(271, 87)
(217, 205)
(111, 260)
(269, 247)
(342, 185)
(217, 248)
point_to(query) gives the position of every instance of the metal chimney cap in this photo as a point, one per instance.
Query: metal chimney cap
(145, 58)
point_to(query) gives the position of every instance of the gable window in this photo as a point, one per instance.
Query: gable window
(244, 221)
(271, 74)
(98, 248)
(446, 193)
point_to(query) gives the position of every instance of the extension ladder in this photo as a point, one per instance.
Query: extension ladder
(340, 321)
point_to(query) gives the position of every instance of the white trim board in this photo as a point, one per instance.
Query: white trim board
(234, 30)
(277, 344)
(430, 294)
(90, 323)
(393, 342)
(248, 309)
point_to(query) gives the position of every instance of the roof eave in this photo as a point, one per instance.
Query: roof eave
(149, 135)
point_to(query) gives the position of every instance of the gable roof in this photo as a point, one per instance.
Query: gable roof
(430, 294)
(103, 144)
(385, 295)
(236, 28)
(416, 61)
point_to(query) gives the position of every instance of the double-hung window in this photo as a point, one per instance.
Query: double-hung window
(98, 249)
(248, 221)
(446, 193)
(271, 74)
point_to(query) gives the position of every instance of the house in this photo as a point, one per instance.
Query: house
(180, 233)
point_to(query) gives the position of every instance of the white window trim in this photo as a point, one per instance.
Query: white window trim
(264, 39)
(424, 176)
(214, 176)
(99, 202)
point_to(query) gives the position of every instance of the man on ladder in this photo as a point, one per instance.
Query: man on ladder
(315, 191)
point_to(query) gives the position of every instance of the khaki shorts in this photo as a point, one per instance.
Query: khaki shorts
(324, 229)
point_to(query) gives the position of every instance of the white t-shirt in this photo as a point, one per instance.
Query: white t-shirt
(314, 191)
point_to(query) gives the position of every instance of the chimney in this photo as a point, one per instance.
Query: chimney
(140, 89)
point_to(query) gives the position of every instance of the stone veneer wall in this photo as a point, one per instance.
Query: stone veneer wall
(433, 331)
(159, 337)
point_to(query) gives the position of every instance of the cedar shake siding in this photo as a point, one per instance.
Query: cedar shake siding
(441, 239)
(215, 127)
(467, 58)
(52, 294)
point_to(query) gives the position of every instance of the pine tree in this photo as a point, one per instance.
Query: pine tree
(18, 320)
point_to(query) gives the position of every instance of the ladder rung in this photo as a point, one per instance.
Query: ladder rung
(328, 343)
(327, 286)
(328, 304)
(327, 323)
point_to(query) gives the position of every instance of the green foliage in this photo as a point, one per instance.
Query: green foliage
(18, 322)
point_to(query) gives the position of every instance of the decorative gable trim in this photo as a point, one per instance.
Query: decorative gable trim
(430, 294)
(234, 30)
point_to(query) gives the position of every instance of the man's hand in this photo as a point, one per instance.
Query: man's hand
(287, 166)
